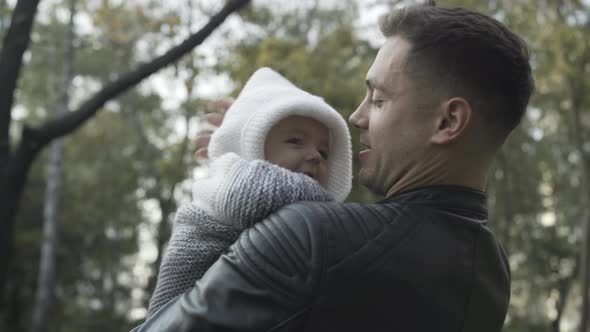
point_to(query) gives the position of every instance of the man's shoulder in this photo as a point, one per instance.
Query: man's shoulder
(330, 212)
(302, 219)
(321, 233)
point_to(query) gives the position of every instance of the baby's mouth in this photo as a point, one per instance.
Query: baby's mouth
(310, 175)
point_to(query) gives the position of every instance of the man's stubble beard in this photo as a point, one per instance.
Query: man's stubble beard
(368, 179)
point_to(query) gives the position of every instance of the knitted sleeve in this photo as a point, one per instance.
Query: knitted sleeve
(255, 189)
(195, 244)
(237, 194)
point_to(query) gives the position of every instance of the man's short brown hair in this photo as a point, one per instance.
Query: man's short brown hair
(469, 55)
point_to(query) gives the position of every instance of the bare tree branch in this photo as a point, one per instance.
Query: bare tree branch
(69, 122)
(14, 46)
(15, 167)
(44, 296)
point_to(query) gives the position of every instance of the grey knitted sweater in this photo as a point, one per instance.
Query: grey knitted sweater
(238, 194)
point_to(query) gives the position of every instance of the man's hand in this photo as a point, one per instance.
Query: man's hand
(215, 119)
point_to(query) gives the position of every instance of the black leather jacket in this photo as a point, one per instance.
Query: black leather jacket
(423, 260)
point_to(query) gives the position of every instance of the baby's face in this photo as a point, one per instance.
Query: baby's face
(300, 144)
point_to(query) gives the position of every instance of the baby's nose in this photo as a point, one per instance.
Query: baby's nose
(314, 156)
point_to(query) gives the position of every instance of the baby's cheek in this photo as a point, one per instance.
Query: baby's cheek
(324, 175)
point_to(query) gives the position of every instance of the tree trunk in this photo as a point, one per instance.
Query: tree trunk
(564, 286)
(578, 94)
(47, 268)
(15, 43)
(14, 167)
(2, 18)
(161, 237)
(585, 263)
(46, 274)
(165, 202)
(577, 97)
(584, 279)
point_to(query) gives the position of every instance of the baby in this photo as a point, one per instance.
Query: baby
(277, 145)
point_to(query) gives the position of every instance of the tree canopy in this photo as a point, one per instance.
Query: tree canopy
(128, 168)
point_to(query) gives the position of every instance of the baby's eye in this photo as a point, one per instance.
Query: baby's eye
(324, 154)
(294, 140)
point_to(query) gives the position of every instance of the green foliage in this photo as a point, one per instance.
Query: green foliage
(133, 152)
(98, 227)
(317, 49)
(106, 170)
(537, 195)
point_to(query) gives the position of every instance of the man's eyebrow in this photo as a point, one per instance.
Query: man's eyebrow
(372, 84)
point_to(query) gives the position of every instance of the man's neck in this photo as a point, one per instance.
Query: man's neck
(466, 176)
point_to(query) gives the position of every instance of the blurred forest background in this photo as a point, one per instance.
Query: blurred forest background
(97, 207)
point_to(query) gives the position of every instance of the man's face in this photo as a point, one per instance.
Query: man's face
(300, 144)
(395, 126)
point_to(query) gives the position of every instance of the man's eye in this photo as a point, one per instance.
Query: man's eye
(377, 102)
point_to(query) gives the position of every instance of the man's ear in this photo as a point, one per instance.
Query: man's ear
(454, 118)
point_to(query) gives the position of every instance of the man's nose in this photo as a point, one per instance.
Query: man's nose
(359, 118)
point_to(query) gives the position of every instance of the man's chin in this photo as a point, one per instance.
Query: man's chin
(368, 180)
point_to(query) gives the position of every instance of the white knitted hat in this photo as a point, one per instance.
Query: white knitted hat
(268, 98)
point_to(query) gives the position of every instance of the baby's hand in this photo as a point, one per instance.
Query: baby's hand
(215, 119)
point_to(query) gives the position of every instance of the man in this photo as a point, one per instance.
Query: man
(444, 92)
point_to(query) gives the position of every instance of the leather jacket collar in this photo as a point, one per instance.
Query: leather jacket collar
(466, 201)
